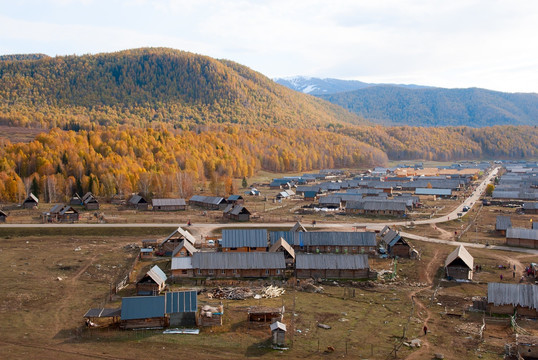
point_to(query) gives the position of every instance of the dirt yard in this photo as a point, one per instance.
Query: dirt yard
(49, 282)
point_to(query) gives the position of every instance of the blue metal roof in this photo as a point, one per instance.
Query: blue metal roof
(142, 307)
(242, 238)
(289, 236)
(439, 192)
(334, 238)
(181, 301)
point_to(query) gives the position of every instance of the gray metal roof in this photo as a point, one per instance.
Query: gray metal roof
(102, 313)
(289, 236)
(168, 202)
(522, 233)
(530, 205)
(331, 261)
(334, 238)
(137, 199)
(370, 205)
(460, 253)
(238, 260)
(234, 197)
(244, 237)
(503, 222)
(181, 263)
(212, 200)
(524, 295)
(330, 200)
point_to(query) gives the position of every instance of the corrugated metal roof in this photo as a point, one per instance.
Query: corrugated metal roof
(244, 237)
(234, 197)
(181, 302)
(289, 236)
(334, 238)
(460, 253)
(168, 202)
(370, 205)
(157, 275)
(181, 263)
(136, 199)
(530, 205)
(439, 192)
(102, 313)
(212, 200)
(331, 261)
(525, 295)
(521, 233)
(503, 222)
(246, 260)
(277, 325)
(142, 307)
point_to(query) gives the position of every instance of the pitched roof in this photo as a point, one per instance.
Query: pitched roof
(244, 237)
(168, 202)
(370, 205)
(460, 253)
(102, 313)
(183, 234)
(439, 192)
(32, 198)
(331, 261)
(2, 213)
(284, 244)
(137, 199)
(234, 197)
(503, 222)
(184, 244)
(277, 325)
(524, 295)
(212, 200)
(521, 233)
(298, 227)
(181, 263)
(157, 275)
(238, 260)
(143, 307)
(530, 205)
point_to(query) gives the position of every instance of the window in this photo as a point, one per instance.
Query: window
(223, 272)
(278, 271)
(235, 271)
(266, 271)
(185, 272)
(199, 271)
(210, 271)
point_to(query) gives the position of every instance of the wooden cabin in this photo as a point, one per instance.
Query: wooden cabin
(184, 249)
(236, 212)
(61, 214)
(137, 202)
(235, 200)
(90, 202)
(208, 202)
(31, 202)
(152, 283)
(168, 204)
(289, 254)
(3, 216)
(396, 245)
(502, 224)
(522, 237)
(338, 242)
(76, 200)
(459, 264)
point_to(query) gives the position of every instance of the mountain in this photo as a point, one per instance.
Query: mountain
(148, 85)
(473, 107)
(317, 86)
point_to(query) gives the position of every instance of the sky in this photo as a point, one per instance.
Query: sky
(491, 44)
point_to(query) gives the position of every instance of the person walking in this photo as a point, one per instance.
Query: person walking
(425, 330)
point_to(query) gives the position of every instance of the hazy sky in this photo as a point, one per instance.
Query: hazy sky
(448, 43)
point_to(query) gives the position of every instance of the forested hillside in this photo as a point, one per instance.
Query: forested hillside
(392, 105)
(161, 121)
(143, 86)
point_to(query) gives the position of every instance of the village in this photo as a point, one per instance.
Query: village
(437, 262)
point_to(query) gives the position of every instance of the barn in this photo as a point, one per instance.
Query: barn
(522, 237)
(168, 204)
(137, 202)
(90, 202)
(396, 245)
(505, 298)
(459, 264)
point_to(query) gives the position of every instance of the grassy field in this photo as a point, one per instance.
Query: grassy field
(49, 281)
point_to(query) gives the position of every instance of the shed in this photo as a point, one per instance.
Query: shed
(298, 227)
(208, 202)
(278, 333)
(459, 264)
(265, 314)
(146, 253)
(137, 202)
(235, 199)
(76, 200)
(502, 224)
(102, 317)
(236, 212)
(31, 202)
(168, 204)
(90, 201)
(152, 283)
(530, 207)
(3, 216)
(332, 266)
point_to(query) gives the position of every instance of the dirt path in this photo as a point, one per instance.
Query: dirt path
(445, 235)
(422, 312)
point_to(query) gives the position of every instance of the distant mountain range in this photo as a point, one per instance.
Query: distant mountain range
(416, 105)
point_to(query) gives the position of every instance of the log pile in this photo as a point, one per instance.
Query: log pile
(242, 293)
